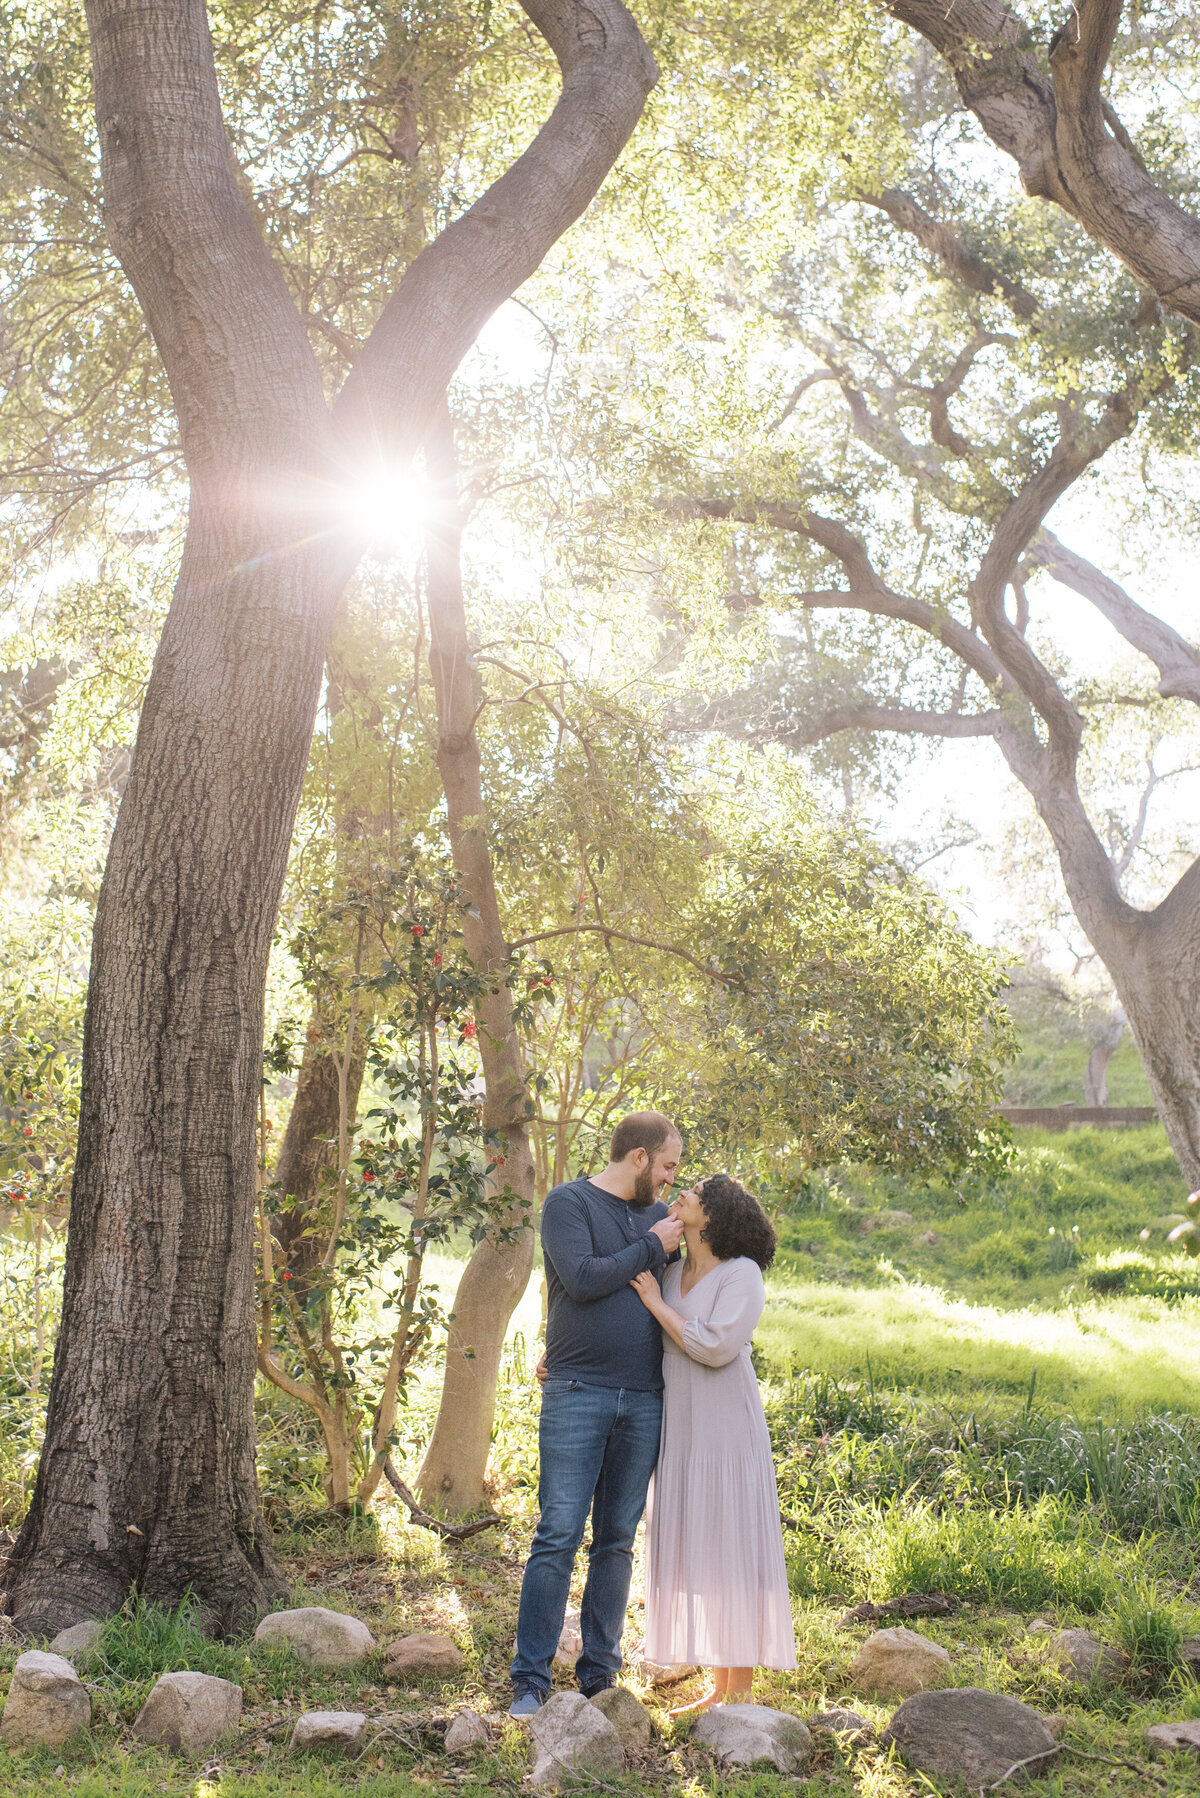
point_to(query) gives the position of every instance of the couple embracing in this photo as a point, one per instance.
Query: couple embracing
(647, 1371)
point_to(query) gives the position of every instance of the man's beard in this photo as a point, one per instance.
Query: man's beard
(643, 1189)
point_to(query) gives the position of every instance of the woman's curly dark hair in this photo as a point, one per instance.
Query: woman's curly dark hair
(737, 1223)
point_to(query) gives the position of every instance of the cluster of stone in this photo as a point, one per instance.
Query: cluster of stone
(190, 1713)
(943, 1731)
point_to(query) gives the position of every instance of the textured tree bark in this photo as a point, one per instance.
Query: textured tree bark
(1066, 140)
(1160, 990)
(1153, 958)
(147, 1473)
(308, 1154)
(452, 1474)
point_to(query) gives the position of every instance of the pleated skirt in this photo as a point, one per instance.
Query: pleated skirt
(716, 1581)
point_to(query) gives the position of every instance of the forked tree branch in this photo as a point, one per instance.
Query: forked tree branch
(243, 377)
(1018, 524)
(459, 280)
(1064, 137)
(880, 432)
(1178, 663)
(242, 372)
(867, 592)
(943, 391)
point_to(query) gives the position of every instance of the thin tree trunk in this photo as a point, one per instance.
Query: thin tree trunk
(455, 1465)
(1095, 1080)
(308, 1155)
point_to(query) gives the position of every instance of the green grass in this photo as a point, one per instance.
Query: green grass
(1005, 1415)
(1023, 1557)
(1051, 1065)
(1039, 1274)
(1094, 1356)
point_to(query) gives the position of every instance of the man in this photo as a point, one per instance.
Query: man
(601, 1402)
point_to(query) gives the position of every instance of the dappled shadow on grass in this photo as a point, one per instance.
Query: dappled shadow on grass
(970, 1290)
(1118, 1355)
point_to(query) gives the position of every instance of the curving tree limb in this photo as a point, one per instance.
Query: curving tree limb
(1047, 111)
(147, 1473)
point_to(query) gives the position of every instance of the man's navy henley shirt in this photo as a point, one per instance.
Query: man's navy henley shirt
(597, 1329)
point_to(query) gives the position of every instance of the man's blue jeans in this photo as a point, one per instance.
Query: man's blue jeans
(598, 1448)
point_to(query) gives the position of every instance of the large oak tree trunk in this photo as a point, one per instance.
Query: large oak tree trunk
(452, 1474)
(147, 1473)
(147, 1478)
(1153, 958)
(1156, 972)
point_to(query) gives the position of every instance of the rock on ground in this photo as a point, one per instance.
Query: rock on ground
(969, 1734)
(741, 1734)
(1167, 1738)
(898, 1662)
(1082, 1656)
(466, 1733)
(79, 1640)
(570, 1735)
(1189, 1654)
(570, 1640)
(656, 1673)
(417, 1655)
(46, 1702)
(189, 1712)
(630, 1719)
(343, 1731)
(842, 1722)
(326, 1638)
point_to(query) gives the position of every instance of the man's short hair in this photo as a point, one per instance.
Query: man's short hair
(647, 1130)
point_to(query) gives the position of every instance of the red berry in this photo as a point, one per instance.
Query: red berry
(286, 1275)
(28, 1130)
(367, 1174)
(418, 930)
(469, 1030)
(437, 960)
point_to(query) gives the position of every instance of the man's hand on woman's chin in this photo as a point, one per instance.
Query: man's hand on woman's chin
(669, 1231)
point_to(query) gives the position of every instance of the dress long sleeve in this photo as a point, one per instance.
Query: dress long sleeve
(715, 1340)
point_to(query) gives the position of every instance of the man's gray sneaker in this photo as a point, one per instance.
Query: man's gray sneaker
(526, 1704)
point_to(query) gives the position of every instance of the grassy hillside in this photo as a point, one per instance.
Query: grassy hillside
(973, 1291)
(986, 1391)
(1051, 1064)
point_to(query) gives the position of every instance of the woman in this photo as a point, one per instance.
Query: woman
(716, 1584)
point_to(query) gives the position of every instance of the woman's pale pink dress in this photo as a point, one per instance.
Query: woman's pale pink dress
(716, 1583)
